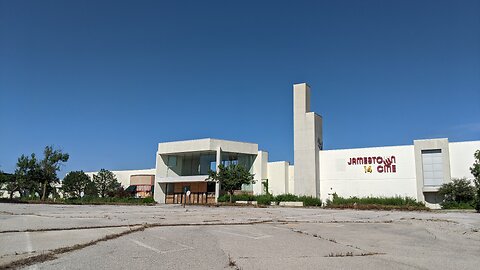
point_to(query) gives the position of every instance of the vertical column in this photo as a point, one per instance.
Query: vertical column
(307, 135)
(260, 170)
(218, 162)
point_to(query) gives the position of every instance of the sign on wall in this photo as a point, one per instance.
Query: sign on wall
(378, 164)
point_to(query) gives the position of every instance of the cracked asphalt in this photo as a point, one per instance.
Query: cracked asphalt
(199, 237)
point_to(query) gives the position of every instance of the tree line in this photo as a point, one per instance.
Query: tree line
(35, 178)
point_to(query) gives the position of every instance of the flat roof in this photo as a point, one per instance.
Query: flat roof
(207, 144)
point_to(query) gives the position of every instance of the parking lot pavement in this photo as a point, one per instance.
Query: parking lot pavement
(171, 237)
(14, 245)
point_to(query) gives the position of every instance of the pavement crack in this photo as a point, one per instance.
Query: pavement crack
(71, 228)
(364, 252)
(207, 223)
(52, 254)
(338, 221)
(351, 254)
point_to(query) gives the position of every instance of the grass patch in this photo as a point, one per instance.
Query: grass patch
(268, 198)
(310, 201)
(376, 203)
(260, 199)
(110, 200)
(87, 201)
(458, 205)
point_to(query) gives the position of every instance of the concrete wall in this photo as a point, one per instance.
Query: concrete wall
(431, 144)
(291, 182)
(124, 176)
(337, 175)
(207, 144)
(278, 177)
(142, 179)
(260, 170)
(307, 134)
(461, 158)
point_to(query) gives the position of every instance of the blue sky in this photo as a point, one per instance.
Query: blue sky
(108, 80)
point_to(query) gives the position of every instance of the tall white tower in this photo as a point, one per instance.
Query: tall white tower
(308, 141)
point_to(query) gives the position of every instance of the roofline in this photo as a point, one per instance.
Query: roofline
(201, 139)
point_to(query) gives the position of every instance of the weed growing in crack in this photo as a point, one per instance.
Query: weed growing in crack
(232, 263)
(348, 254)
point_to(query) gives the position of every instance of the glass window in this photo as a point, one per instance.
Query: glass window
(213, 166)
(432, 164)
(210, 186)
(170, 189)
(207, 162)
(172, 161)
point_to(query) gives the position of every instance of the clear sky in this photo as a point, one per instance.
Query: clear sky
(108, 80)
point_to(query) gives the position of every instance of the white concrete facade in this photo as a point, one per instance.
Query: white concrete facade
(123, 176)
(374, 171)
(308, 141)
(278, 172)
(203, 155)
(338, 174)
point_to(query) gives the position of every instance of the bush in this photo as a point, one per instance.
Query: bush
(264, 199)
(225, 198)
(310, 201)
(307, 200)
(148, 200)
(475, 170)
(287, 198)
(109, 200)
(456, 205)
(459, 192)
(396, 202)
(261, 199)
(243, 197)
(237, 197)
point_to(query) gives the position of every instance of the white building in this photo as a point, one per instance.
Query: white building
(416, 170)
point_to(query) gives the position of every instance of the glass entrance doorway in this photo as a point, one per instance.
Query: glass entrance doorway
(200, 193)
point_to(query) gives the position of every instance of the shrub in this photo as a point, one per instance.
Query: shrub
(244, 197)
(459, 192)
(386, 201)
(148, 200)
(457, 205)
(475, 170)
(286, 198)
(267, 199)
(109, 200)
(310, 201)
(236, 197)
(264, 199)
(225, 198)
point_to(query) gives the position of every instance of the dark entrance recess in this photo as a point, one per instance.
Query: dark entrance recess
(200, 193)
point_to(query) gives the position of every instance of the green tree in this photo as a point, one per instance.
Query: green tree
(49, 166)
(475, 170)
(459, 191)
(105, 182)
(91, 190)
(231, 178)
(25, 178)
(75, 183)
(5, 178)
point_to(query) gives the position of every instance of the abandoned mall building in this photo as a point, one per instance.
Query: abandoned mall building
(417, 170)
